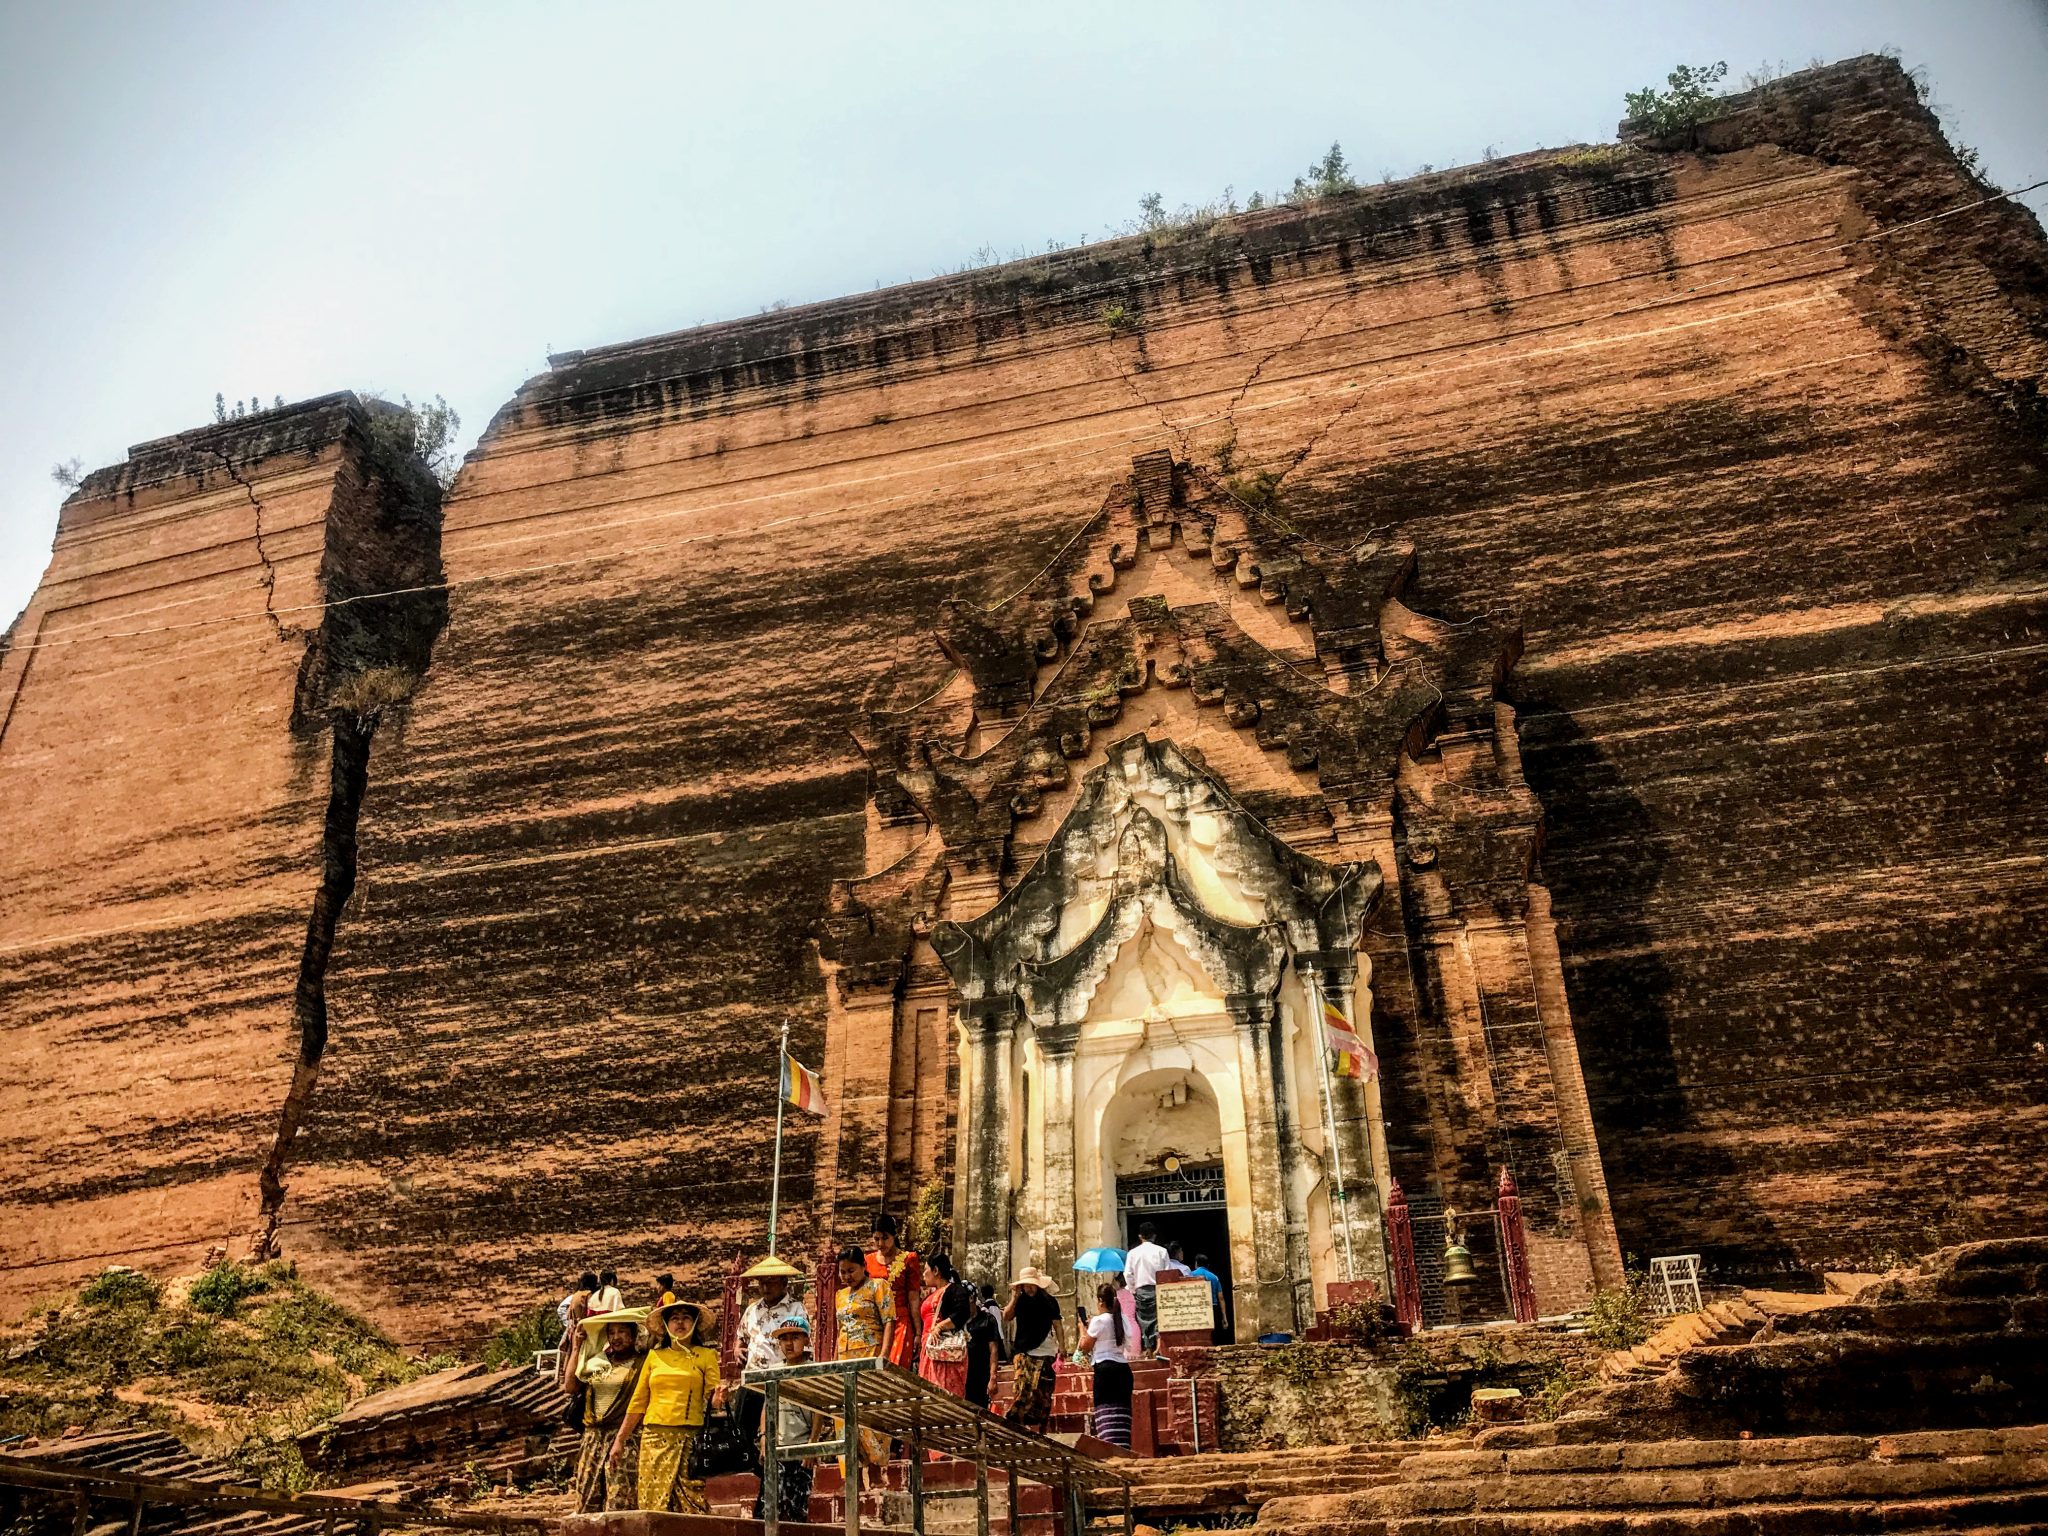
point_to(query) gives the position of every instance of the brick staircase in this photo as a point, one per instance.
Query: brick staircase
(1719, 1323)
(1232, 1485)
(1513, 1483)
(1162, 1406)
(1959, 1341)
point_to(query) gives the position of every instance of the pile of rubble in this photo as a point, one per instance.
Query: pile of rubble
(1959, 1341)
(1732, 1321)
(466, 1422)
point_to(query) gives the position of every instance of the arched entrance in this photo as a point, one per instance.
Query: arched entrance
(1164, 1162)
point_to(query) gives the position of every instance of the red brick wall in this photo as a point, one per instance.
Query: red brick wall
(1765, 493)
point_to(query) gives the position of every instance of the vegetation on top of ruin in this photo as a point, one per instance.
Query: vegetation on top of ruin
(1620, 1316)
(426, 430)
(235, 1362)
(1688, 98)
(1691, 98)
(223, 412)
(1327, 177)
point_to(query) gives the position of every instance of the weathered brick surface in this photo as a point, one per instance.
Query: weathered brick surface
(1765, 494)
(165, 782)
(1897, 1357)
(1707, 1486)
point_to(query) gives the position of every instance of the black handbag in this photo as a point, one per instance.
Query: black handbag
(720, 1447)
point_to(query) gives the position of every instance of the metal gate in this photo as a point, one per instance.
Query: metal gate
(1187, 1189)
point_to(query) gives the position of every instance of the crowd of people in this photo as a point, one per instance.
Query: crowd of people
(644, 1382)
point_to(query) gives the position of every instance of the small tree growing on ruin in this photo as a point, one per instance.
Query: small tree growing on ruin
(1327, 177)
(427, 429)
(224, 412)
(1688, 100)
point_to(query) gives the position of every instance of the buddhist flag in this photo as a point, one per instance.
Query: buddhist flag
(800, 1086)
(1349, 1055)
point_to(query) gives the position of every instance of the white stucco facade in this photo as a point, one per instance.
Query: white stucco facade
(1144, 998)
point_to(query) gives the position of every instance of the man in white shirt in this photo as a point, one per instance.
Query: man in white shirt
(1141, 1273)
(759, 1324)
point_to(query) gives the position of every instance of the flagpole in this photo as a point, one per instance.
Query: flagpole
(1315, 994)
(781, 1099)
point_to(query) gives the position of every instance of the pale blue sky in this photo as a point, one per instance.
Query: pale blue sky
(289, 198)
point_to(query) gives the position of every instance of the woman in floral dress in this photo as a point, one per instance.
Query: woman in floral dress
(863, 1312)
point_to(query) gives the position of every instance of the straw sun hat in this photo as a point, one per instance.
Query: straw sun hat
(595, 1324)
(702, 1316)
(765, 1268)
(1032, 1275)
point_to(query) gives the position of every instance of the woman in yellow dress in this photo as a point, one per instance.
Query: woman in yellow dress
(667, 1410)
(863, 1312)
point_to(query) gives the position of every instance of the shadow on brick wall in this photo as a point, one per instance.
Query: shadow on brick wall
(1604, 857)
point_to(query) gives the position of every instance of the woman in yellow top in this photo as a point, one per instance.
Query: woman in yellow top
(667, 1410)
(862, 1310)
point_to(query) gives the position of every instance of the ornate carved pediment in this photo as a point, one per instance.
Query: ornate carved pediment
(1153, 839)
(1308, 653)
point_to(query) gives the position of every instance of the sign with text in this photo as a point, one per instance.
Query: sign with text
(1186, 1306)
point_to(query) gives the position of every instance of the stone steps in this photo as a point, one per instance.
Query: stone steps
(1734, 1320)
(1238, 1481)
(1808, 1486)
(2023, 1515)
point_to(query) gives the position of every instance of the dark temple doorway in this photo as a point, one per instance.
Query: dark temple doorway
(1186, 1207)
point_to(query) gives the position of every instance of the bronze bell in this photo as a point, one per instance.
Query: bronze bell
(1458, 1268)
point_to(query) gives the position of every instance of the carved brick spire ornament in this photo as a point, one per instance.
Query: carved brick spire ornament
(1514, 1250)
(1407, 1286)
(1195, 774)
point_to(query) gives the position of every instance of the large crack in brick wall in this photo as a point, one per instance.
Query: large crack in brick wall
(382, 583)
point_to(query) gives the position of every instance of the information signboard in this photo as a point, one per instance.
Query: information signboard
(1186, 1306)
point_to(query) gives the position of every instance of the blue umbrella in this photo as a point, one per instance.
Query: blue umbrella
(1101, 1261)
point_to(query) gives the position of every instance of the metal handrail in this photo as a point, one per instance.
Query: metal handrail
(895, 1402)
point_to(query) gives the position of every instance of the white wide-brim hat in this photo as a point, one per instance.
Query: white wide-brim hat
(595, 1324)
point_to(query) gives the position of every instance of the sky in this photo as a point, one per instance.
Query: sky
(426, 198)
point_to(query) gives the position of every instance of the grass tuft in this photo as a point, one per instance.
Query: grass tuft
(518, 1340)
(223, 1288)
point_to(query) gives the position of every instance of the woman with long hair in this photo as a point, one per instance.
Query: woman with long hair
(1107, 1340)
(947, 1304)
